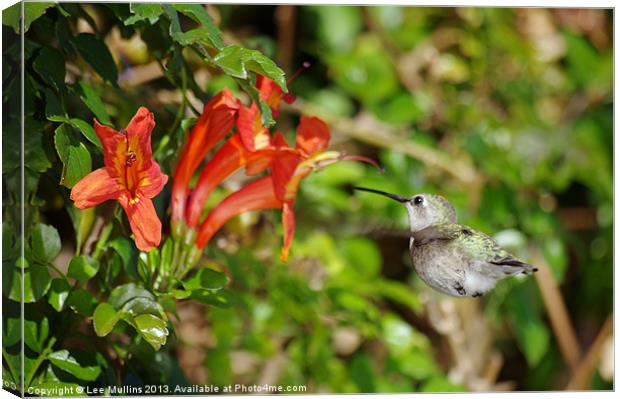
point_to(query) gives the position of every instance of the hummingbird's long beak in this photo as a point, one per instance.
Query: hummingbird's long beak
(392, 196)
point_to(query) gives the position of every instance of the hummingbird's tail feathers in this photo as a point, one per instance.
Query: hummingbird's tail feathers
(515, 266)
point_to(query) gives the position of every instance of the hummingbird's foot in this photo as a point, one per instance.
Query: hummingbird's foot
(459, 288)
(477, 294)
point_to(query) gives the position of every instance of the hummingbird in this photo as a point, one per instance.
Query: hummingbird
(450, 257)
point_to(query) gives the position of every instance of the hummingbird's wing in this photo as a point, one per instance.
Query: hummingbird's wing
(478, 246)
(439, 233)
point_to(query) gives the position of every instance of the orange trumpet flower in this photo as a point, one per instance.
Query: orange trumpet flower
(216, 120)
(130, 176)
(250, 147)
(289, 166)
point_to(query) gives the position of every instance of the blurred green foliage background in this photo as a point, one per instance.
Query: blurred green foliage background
(505, 112)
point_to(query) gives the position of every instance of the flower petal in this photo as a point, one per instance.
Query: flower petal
(96, 187)
(254, 196)
(144, 222)
(250, 127)
(230, 157)
(312, 135)
(270, 93)
(152, 181)
(216, 120)
(139, 138)
(282, 169)
(258, 161)
(114, 148)
(288, 225)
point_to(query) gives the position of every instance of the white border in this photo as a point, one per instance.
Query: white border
(453, 3)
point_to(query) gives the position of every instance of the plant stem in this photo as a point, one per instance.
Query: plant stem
(103, 239)
(38, 362)
(176, 254)
(187, 260)
(556, 310)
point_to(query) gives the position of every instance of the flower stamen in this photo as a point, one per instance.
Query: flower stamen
(131, 158)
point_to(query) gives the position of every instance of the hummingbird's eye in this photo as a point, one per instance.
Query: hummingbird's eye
(418, 200)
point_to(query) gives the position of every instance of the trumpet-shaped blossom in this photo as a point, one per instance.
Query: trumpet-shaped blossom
(130, 176)
(250, 147)
(256, 195)
(216, 120)
(289, 166)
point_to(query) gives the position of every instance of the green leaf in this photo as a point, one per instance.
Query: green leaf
(338, 26)
(83, 221)
(87, 130)
(45, 243)
(220, 298)
(206, 279)
(74, 155)
(9, 250)
(199, 14)
(54, 109)
(58, 293)
(143, 268)
(192, 36)
(36, 332)
(266, 115)
(364, 254)
(152, 329)
(144, 11)
(533, 338)
(362, 372)
(181, 294)
(205, 34)
(50, 65)
(441, 384)
(142, 305)
(96, 53)
(83, 268)
(531, 331)
(230, 60)
(366, 73)
(35, 156)
(398, 292)
(37, 281)
(128, 253)
(64, 360)
(237, 61)
(555, 254)
(15, 362)
(12, 332)
(105, 318)
(32, 11)
(11, 149)
(126, 292)
(11, 281)
(82, 302)
(92, 100)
